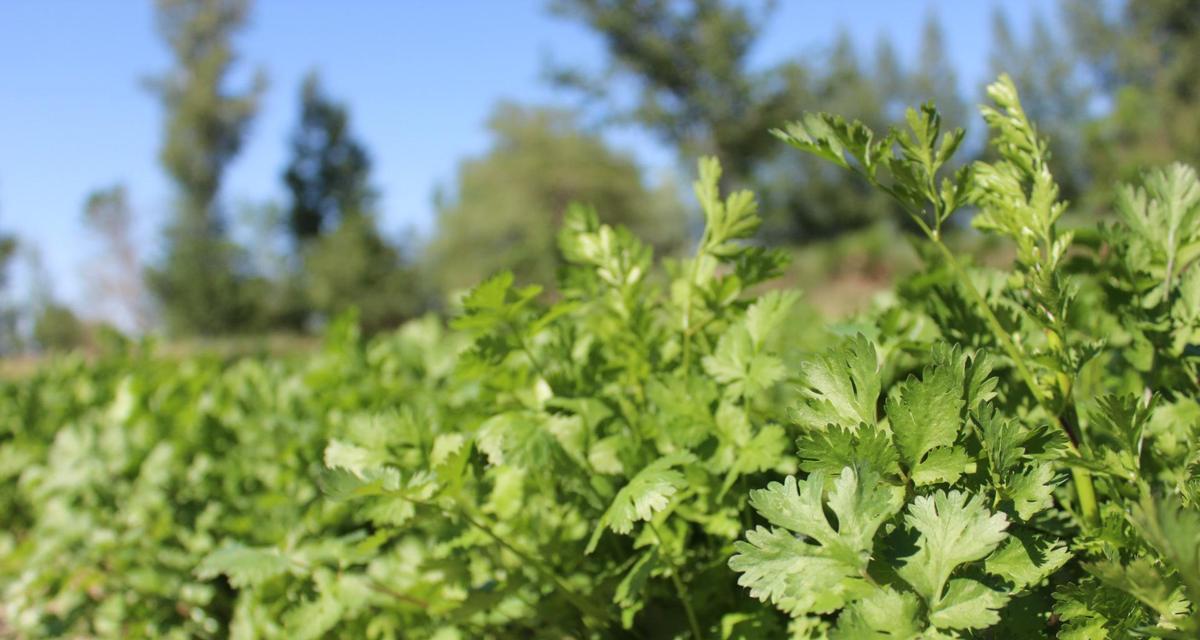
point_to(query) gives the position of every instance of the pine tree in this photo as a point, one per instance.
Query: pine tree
(691, 64)
(1145, 58)
(889, 79)
(343, 259)
(803, 200)
(327, 177)
(698, 92)
(10, 340)
(934, 77)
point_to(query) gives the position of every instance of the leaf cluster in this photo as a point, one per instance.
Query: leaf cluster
(997, 451)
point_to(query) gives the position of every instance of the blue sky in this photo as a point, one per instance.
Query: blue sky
(420, 78)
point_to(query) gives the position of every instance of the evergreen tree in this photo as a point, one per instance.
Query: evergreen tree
(10, 339)
(327, 177)
(698, 92)
(201, 285)
(353, 266)
(889, 79)
(55, 325)
(57, 328)
(934, 77)
(691, 65)
(8, 248)
(344, 260)
(806, 200)
(1145, 58)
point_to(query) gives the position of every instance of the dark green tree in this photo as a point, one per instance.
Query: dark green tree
(328, 176)
(697, 91)
(57, 328)
(354, 266)
(343, 259)
(276, 285)
(201, 282)
(690, 63)
(506, 206)
(889, 79)
(8, 248)
(10, 339)
(1145, 58)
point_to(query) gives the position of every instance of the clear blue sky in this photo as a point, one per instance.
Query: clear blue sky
(420, 78)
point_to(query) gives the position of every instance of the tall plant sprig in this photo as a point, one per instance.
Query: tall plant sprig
(1018, 198)
(700, 295)
(1156, 243)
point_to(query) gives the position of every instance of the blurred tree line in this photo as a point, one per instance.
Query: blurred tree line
(1113, 85)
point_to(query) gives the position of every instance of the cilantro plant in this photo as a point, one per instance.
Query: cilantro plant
(937, 504)
(595, 487)
(653, 452)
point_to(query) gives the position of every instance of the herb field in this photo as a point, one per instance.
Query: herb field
(662, 450)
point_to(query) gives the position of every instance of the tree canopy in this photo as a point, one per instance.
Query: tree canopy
(505, 206)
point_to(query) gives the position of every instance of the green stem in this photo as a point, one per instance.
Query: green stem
(1170, 264)
(376, 585)
(1006, 343)
(1082, 478)
(380, 587)
(734, 472)
(681, 592)
(579, 602)
(687, 300)
(537, 365)
(1084, 489)
(1086, 492)
(680, 589)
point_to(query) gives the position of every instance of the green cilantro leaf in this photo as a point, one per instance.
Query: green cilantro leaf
(840, 386)
(954, 530)
(647, 493)
(244, 566)
(740, 366)
(926, 414)
(1026, 559)
(831, 450)
(821, 575)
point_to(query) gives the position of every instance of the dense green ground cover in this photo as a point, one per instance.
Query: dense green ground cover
(659, 451)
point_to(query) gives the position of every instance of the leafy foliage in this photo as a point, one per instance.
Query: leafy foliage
(993, 452)
(977, 446)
